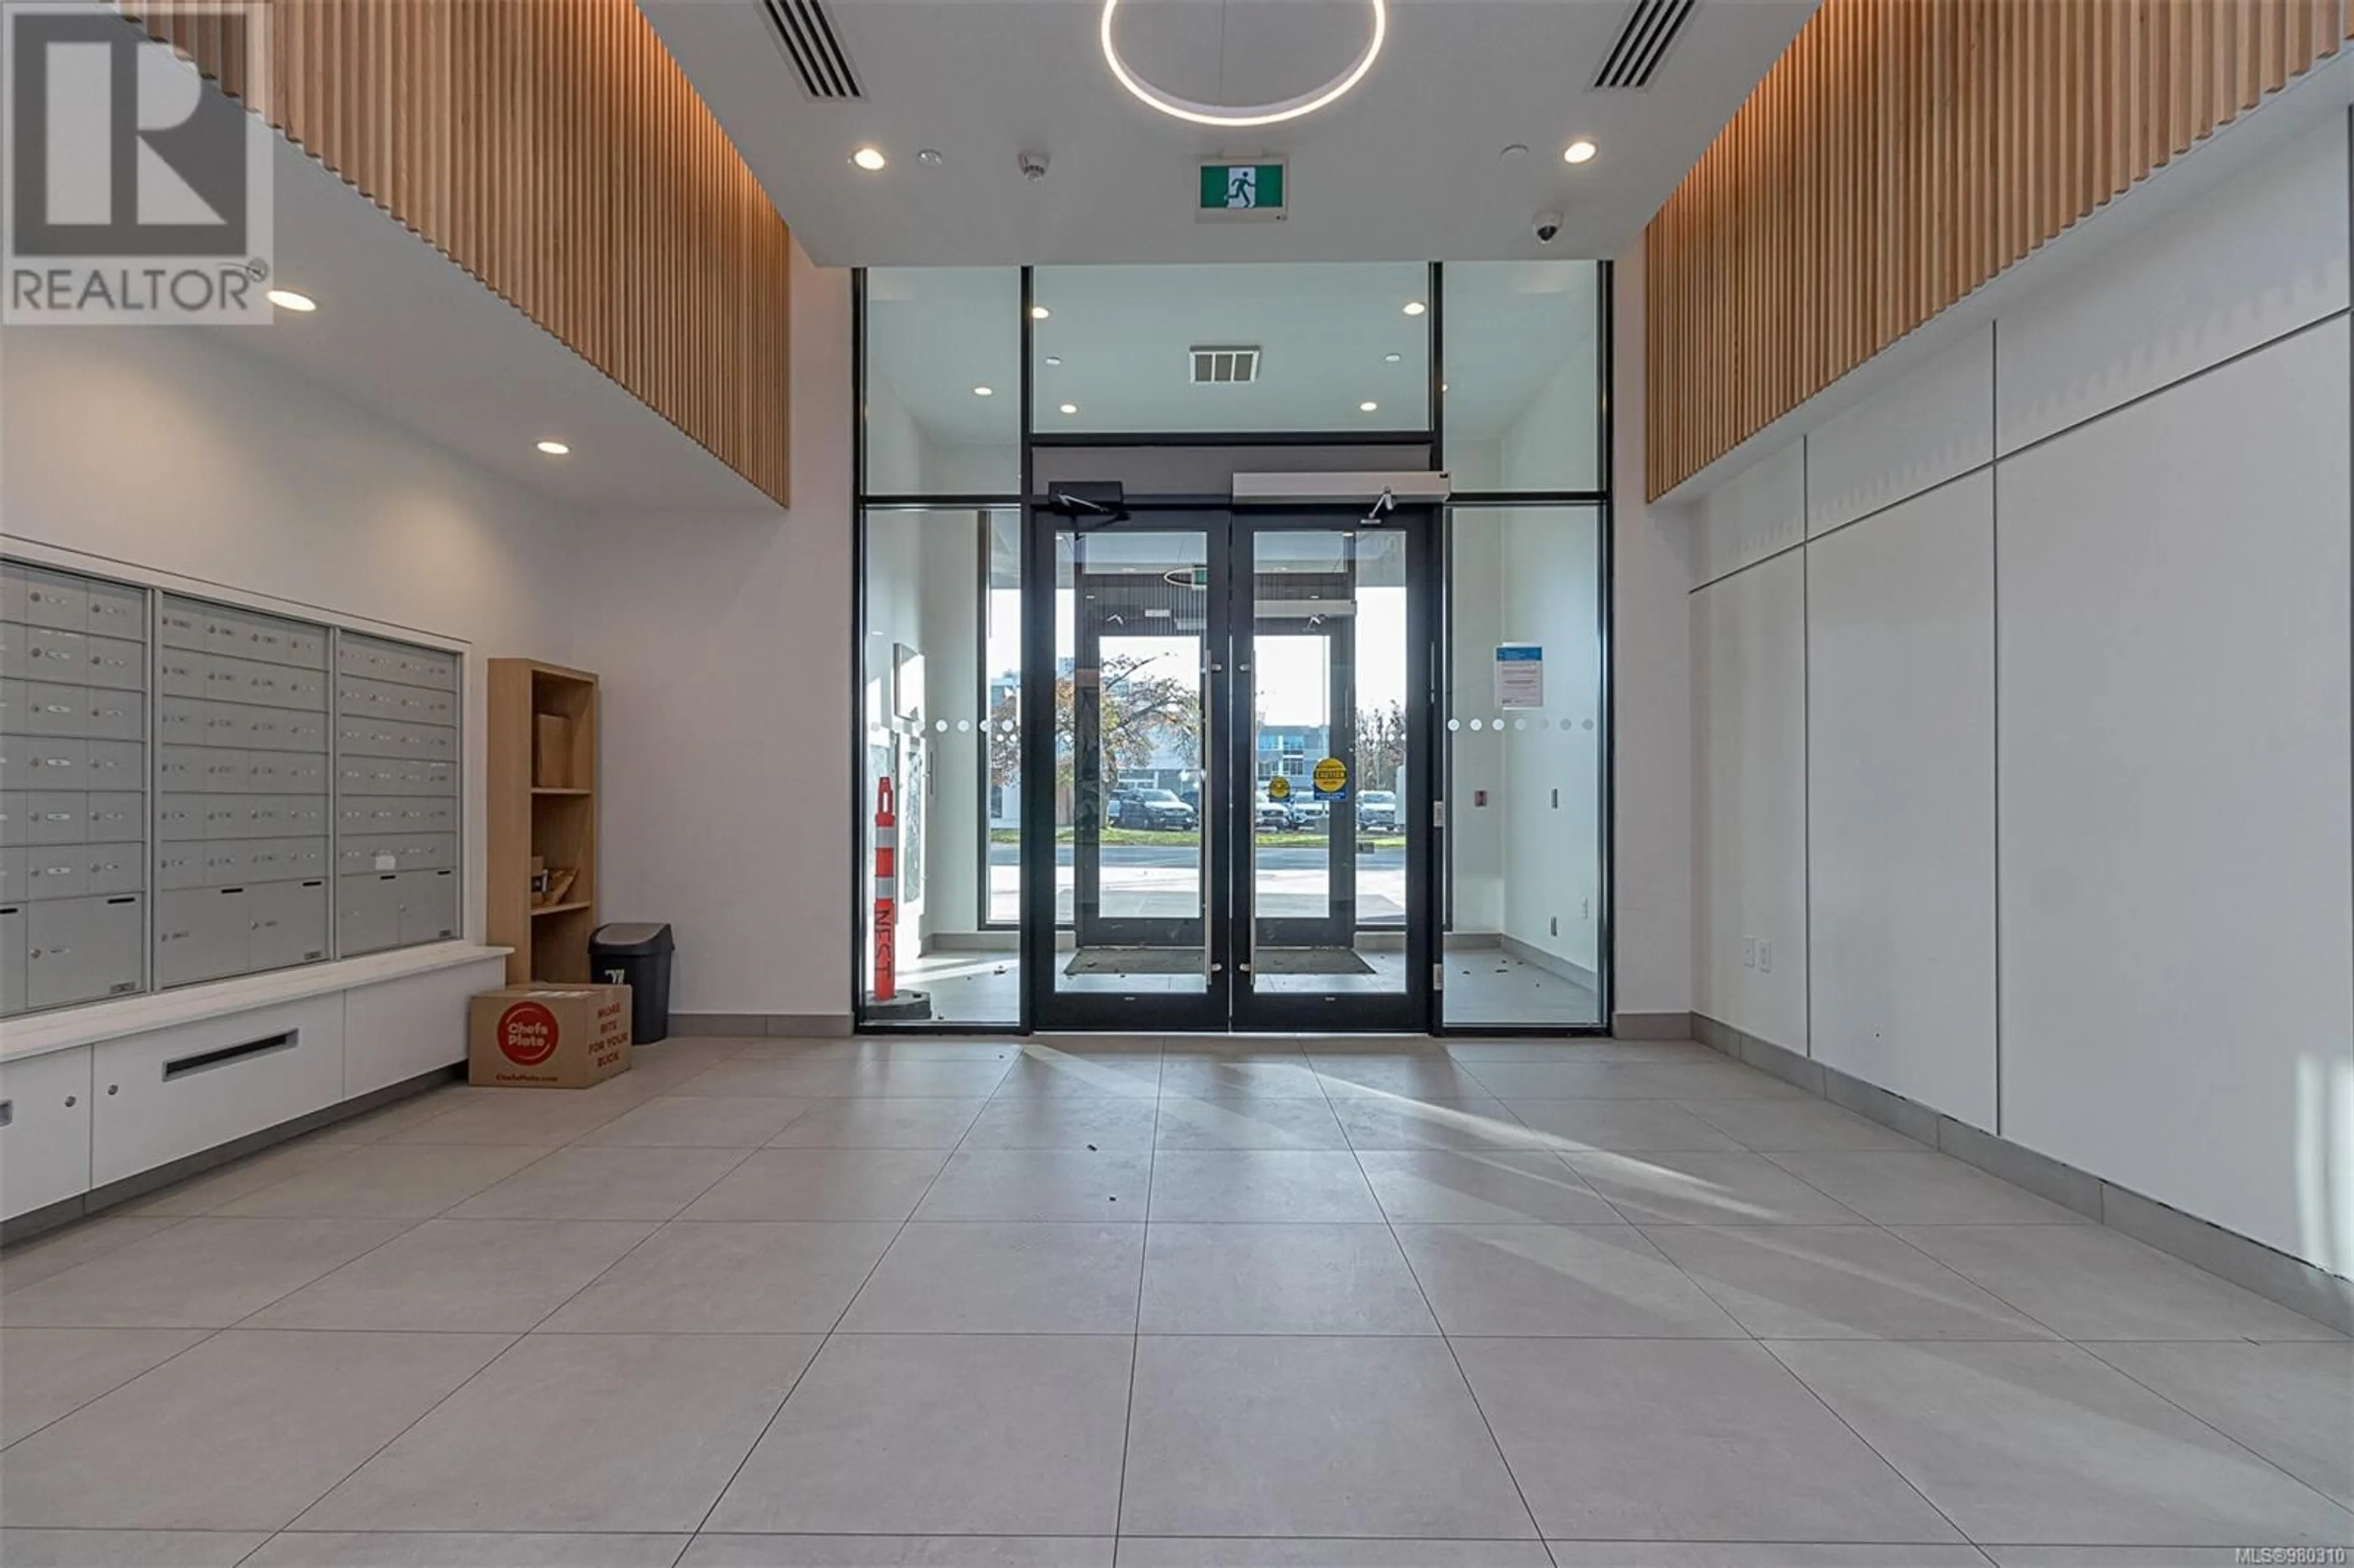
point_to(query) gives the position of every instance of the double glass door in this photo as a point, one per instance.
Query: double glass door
(1235, 716)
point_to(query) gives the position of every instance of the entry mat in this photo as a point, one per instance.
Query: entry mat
(1189, 961)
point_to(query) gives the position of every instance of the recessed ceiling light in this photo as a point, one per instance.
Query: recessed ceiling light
(1368, 407)
(288, 300)
(1390, 359)
(984, 391)
(1054, 359)
(1415, 307)
(554, 449)
(1578, 151)
(869, 158)
(1070, 408)
(1039, 312)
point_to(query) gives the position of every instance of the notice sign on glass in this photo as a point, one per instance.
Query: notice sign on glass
(1520, 676)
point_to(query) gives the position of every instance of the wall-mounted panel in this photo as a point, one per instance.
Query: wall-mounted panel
(1749, 800)
(556, 150)
(2178, 950)
(1899, 154)
(1758, 512)
(1900, 799)
(2262, 257)
(1935, 423)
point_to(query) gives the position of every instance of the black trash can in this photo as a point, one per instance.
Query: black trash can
(637, 956)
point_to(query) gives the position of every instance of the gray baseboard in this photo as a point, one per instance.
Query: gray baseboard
(2293, 1283)
(1651, 1025)
(798, 1025)
(99, 1199)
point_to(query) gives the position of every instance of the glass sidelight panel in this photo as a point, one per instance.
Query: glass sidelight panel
(1131, 802)
(1325, 733)
(1522, 735)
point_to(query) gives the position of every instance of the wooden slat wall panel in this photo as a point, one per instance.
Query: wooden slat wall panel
(1902, 153)
(556, 150)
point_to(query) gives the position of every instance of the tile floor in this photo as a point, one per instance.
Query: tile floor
(773, 1304)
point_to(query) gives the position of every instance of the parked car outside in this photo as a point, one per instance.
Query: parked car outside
(1159, 809)
(1274, 813)
(1377, 810)
(1309, 814)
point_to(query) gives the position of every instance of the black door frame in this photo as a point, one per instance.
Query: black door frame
(1228, 788)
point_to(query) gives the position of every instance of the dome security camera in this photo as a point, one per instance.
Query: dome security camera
(1546, 227)
(1033, 165)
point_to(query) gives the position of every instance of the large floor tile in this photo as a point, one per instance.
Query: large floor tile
(1267, 1074)
(1764, 1554)
(1920, 1187)
(1370, 1436)
(204, 1273)
(1395, 1074)
(127, 1548)
(1680, 1187)
(1075, 1123)
(2292, 1403)
(1252, 1121)
(1267, 1186)
(1627, 1080)
(202, 1194)
(591, 1432)
(48, 1372)
(918, 1435)
(1684, 1440)
(1004, 1278)
(821, 1184)
(1044, 1069)
(603, 1184)
(529, 1118)
(1377, 1122)
(441, 1548)
(1576, 1125)
(479, 1275)
(1279, 1279)
(385, 1181)
(239, 1433)
(1449, 1187)
(2107, 1556)
(717, 1550)
(893, 1078)
(2089, 1282)
(685, 1121)
(1276, 1551)
(893, 1123)
(1836, 1282)
(1040, 1184)
(1539, 1280)
(2042, 1444)
(76, 1245)
(1772, 1125)
(730, 1277)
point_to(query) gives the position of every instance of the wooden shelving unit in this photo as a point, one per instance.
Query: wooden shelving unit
(555, 819)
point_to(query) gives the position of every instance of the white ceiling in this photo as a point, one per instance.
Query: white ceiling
(1123, 333)
(402, 331)
(1406, 167)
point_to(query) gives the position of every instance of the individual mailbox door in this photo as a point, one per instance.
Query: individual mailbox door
(118, 611)
(116, 714)
(428, 905)
(116, 765)
(115, 662)
(117, 816)
(113, 868)
(367, 913)
(57, 816)
(53, 710)
(289, 921)
(57, 602)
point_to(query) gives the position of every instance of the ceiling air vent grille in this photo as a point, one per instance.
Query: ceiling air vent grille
(1224, 366)
(806, 34)
(1652, 27)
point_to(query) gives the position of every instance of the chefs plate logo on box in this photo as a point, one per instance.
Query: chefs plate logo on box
(527, 1033)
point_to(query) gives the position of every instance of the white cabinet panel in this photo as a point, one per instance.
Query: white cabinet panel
(2256, 257)
(1932, 424)
(177, 1091)
(1757, 511)
(1900, 799)
(395, 1031)
(2178, 950)
(1749, 812)
(44, 1130)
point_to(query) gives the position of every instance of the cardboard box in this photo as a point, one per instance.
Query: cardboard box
(551, 753)
(548, 1036)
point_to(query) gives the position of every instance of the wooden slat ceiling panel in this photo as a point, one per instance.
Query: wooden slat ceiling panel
(556, 150)
(1899, 154)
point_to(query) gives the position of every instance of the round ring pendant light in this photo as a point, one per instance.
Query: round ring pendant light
(1242, 116)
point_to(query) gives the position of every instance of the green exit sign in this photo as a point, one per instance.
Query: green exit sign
(1232, 190)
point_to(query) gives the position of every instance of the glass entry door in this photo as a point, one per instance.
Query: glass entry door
(1236, 717)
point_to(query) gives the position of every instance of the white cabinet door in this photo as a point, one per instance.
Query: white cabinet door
(44, 1130)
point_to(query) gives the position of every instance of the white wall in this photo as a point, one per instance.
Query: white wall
(2091, 693)
(172, 450)
(722, 644)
